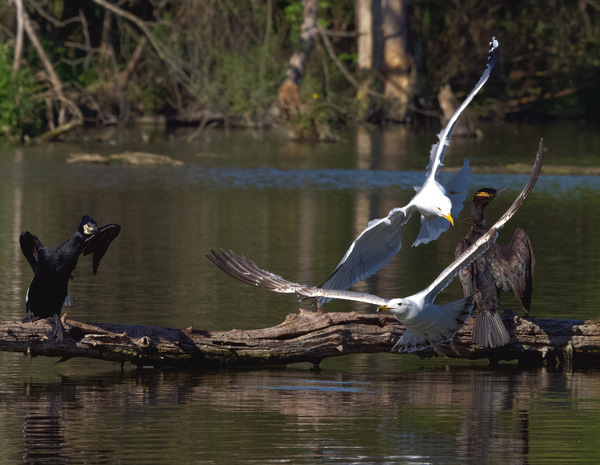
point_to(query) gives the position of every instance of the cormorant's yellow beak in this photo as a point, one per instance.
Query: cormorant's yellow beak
(449, 218)
(89, 229)
(384, 308)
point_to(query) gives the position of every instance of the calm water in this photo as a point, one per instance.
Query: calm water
(293, 209)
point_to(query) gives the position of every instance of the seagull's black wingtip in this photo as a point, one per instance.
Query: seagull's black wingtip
(494, 53)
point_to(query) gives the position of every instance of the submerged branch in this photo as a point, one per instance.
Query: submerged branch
(303, 337)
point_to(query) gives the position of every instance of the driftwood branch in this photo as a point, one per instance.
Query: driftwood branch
(303, 337)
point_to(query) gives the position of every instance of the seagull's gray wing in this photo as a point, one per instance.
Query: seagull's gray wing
(436, 156)
(371, 250)
(482, 244)
(248, 272)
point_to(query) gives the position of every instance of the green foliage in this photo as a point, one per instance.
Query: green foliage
(547, 47)
(16, 90)
(247, 84)
(294, 16)
(229, 57)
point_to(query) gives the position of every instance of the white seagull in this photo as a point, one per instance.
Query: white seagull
(381, 240)
(427, 324)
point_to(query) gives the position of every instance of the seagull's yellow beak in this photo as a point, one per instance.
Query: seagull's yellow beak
(449, 218)
(384, 308)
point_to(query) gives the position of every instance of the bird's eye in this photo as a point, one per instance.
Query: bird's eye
(439, 209)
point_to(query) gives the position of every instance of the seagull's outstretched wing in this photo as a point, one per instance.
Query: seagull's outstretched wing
(98, 243)
(248, 272)
(371, 250)
(482, 244)
(436, 156)
(381, 240)
(31, 246)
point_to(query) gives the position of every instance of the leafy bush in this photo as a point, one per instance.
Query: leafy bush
(16, 90)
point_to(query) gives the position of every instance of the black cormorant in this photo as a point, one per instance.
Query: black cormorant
(500, 268)
(52, 268)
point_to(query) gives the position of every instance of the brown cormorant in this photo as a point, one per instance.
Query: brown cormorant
(427, 324)
(52, 267)
(507, 268)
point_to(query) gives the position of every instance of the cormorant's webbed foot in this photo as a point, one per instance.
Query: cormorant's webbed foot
(57, 328)
(30, 318)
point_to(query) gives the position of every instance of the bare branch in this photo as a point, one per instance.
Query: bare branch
(40, 10)
(174, 62)
(341, 66)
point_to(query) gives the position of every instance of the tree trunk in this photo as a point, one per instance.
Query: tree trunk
(289, 99)
(303, 337)
(364, 27)
(19, 36)
(399, 68)
(383, 50)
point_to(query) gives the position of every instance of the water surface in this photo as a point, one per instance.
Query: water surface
(294, 209)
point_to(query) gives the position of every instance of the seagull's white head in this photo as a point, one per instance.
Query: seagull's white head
(399, 307)
(432, 202)
(442, 207)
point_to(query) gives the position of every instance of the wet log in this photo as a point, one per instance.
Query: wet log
(308, 336)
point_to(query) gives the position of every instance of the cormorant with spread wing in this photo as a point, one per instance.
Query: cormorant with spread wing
(52, 267)
(427, 324)
(436, 203)
(507, 268)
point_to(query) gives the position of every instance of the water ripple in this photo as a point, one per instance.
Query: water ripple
(273, 178)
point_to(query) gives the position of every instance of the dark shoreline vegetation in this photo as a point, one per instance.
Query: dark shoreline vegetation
(226, 63)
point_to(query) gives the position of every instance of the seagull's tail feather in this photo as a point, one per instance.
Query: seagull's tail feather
(454, 316)
(489, 331)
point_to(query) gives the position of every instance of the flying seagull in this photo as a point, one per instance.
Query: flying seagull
(52, 268)
(507, 268)
(436, 203)
(427, 324)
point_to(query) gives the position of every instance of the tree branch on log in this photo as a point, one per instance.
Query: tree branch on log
(303, 337)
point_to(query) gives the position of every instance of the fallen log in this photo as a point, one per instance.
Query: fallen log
(308, 336)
